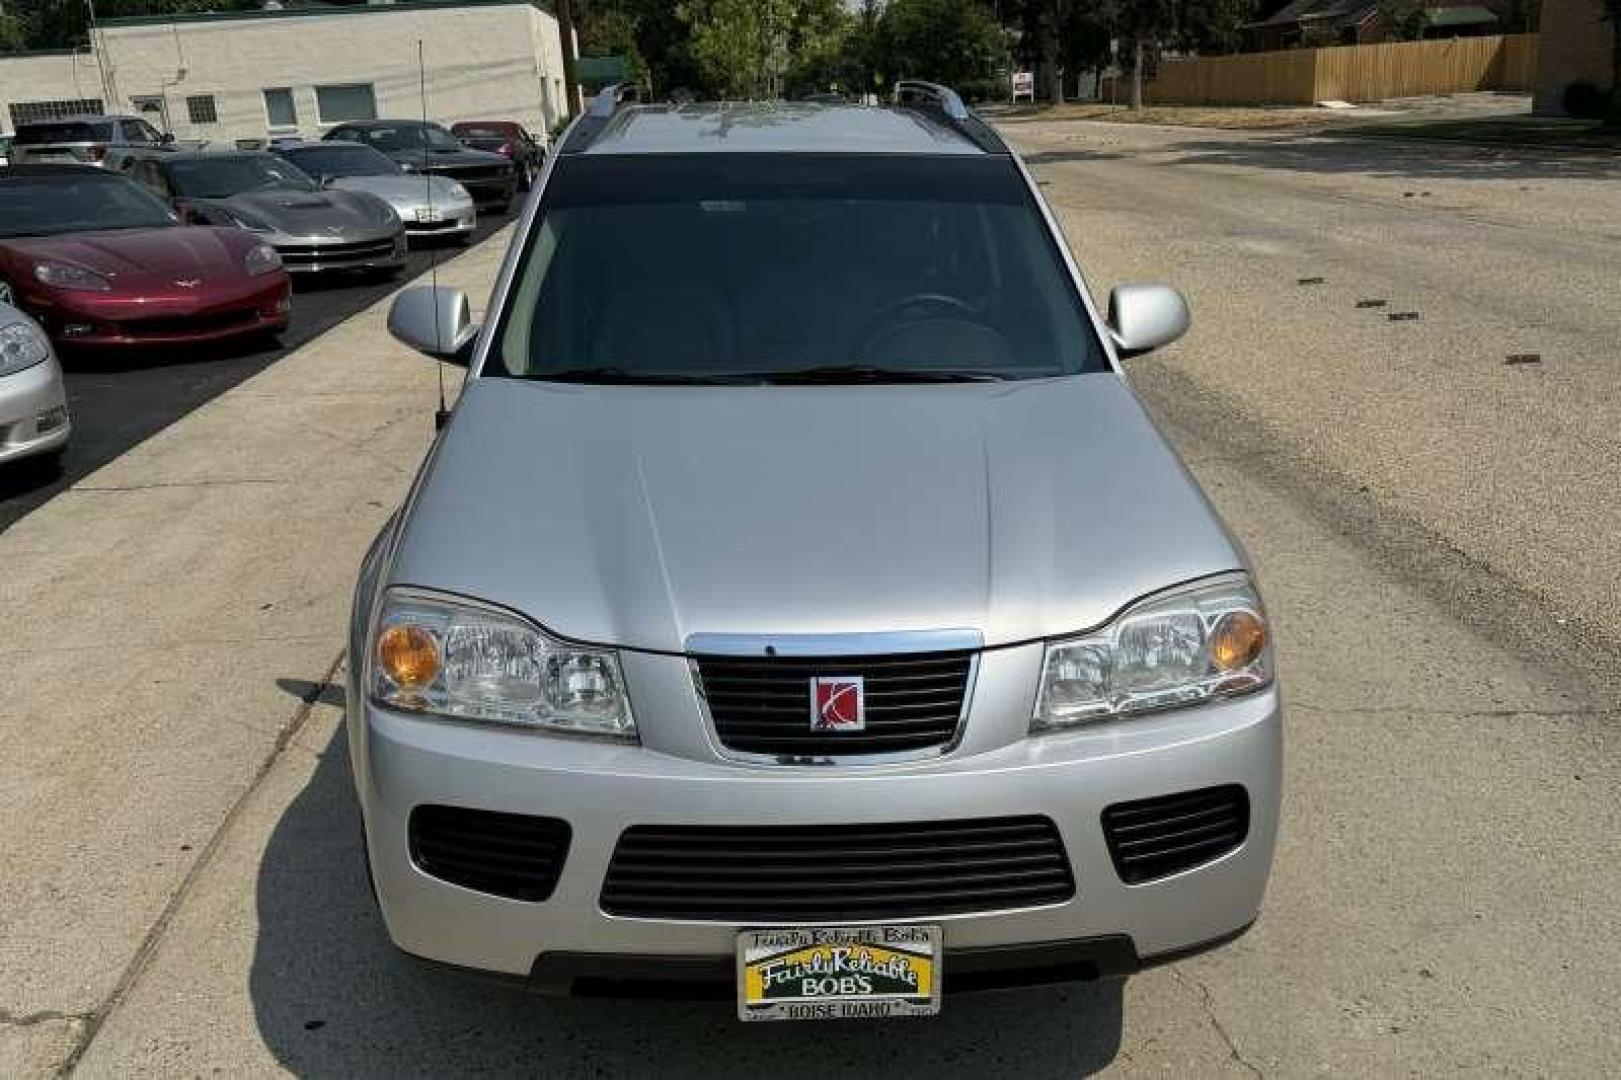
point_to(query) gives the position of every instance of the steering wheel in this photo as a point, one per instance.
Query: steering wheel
(917, 308)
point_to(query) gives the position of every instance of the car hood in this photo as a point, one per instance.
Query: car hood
(448, 159)
(638, 516)
(300, 213)
(141, 255)
(400, 191)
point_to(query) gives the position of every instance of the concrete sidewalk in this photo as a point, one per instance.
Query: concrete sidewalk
(168, 621)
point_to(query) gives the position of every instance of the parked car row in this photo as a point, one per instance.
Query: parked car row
(170, 248)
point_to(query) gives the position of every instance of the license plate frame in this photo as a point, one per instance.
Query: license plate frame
(882, 971)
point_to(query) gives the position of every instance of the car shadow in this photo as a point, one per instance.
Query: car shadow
(332, 996)
(1393, 158)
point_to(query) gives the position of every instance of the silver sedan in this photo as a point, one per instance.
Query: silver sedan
(33, 404)
(430, 206)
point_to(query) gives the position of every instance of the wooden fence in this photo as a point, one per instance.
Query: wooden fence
(1348, 73)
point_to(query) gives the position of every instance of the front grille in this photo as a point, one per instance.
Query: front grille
(762, 705)
(834, 873)
(1154, 838)
(332, 254)
(511, 855)
(189, 324)
(476, 172)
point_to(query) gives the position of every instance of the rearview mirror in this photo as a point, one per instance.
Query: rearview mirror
(1145, 317)
(436, 321)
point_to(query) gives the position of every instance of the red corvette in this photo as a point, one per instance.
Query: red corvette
(99, 261)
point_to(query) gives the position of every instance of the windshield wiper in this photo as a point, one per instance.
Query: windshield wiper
(835, 374)
(610, 376)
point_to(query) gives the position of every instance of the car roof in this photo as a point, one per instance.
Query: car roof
(58, 170)
(79, 118)
(385, 123)
(205, 155)
(778, 127)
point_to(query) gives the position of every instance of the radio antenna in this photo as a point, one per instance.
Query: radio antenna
(442, 414)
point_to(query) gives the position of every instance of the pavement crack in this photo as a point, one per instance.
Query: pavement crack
(159, 485)
(1208, 1004)
(1460, 714)
(43, 1016)
(155, 934)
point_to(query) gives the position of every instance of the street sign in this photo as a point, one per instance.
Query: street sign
(1024, 84)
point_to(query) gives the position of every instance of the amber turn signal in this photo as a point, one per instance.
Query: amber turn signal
(1237, 641)
(409, 655)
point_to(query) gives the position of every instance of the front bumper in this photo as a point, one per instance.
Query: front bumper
(458, 221)
(602, 788)
(380, 251)
(81, 320)
(33, 412)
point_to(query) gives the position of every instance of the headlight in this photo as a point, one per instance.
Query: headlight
(460, 659)
(21, 346)
(60, 275)
(1183, 647)
(261, 259)
(245, 220)
(459, 194)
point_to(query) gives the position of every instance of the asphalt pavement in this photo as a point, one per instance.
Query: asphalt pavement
(181, 886)
(119, 399)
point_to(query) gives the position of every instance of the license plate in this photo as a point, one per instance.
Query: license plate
(427, 213)
(838, 973)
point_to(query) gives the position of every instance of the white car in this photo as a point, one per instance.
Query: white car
(33, 403)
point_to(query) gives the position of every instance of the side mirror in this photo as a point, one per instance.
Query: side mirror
(435, 321)
(167, 139)
(1145, 317)
(183, 212)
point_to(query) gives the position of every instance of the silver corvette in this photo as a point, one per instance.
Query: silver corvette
(311, 229)
(33, 405)
(430, 206)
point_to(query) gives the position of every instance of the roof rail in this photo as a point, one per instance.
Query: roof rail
(946, 105)
(609, 98)
(916, 91)
(607, 101)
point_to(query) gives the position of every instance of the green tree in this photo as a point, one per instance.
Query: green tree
(739, 46)
(955, 42)
(612, 32)
(1405, 20)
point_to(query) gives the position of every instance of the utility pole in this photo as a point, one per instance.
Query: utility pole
(571, 77)
(104, 64)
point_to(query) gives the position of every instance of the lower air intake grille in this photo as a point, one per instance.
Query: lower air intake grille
(1155, 838)
(831, 873)
(509, 855)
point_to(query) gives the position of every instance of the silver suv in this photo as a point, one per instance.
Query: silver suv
(798, 600)
(107, 141)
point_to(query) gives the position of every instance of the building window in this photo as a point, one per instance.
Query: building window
(32, 112)
(280, 112)
(201, 109)
(338, 104)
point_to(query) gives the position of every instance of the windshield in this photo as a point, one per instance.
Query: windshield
(794, 267)
(44, 204)
(68, 131)
(410, 137)
(221, 177)
(342, 160)
(477, 131)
